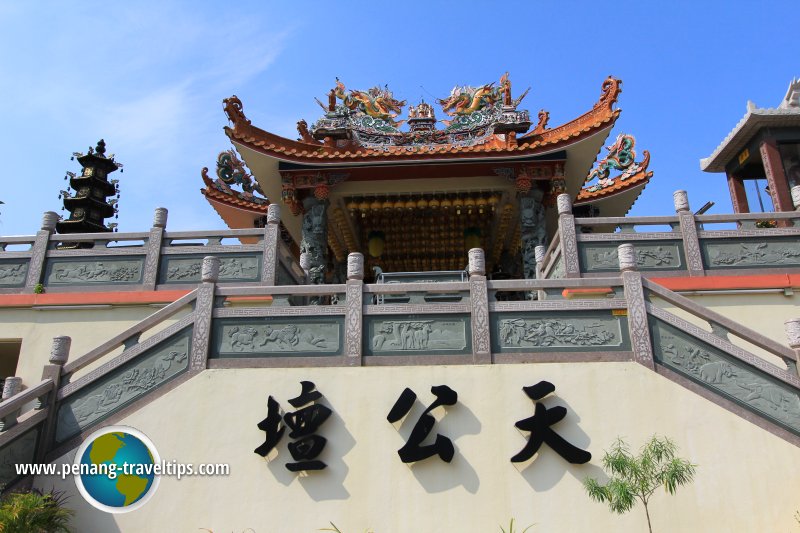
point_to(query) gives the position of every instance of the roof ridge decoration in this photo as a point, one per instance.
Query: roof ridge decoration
(792, 98)
(621, 157)
(342, 144)
(367, 118)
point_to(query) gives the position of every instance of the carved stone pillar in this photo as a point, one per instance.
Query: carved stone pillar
(154, 242)
(738, 194)
(12, 386)
(796, 197)
(533, 230)
(269, 264)
(776, 177)
(354, 319)
(691, 242)
(315, 238)
(59, 353)
(39, 250)
(568, 236)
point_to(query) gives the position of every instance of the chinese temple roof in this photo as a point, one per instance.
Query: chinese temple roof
(486, 152)
(787, 114)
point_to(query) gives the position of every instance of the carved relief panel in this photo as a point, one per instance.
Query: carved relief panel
(112, 269)
(666, 255)
(418, 335)
(559, 332)
(123, 385)
(276, 336)
(233, 267)
(13, 273)
(726, 375)
(750, 253)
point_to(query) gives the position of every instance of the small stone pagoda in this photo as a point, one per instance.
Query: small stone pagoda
(89, 206)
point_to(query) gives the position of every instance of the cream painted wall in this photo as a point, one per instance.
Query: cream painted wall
(88, 328)
(747, 479)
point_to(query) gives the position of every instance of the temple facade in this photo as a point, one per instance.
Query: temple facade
(416, 325)
(412, 196)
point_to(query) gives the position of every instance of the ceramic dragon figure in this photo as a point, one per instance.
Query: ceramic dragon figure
(231, 170)
(464, 99)
(620, 157)
(376, 102)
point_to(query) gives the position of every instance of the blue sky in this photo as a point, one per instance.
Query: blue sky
(149, 78)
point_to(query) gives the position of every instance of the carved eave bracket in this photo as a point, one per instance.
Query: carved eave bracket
(544, 118)
(305, 135)
(235, 111)
(610, 91)
(319, 183)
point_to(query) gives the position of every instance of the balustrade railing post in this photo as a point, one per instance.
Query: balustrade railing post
(793, 333)
(637, 311)
(59, 354)
(269, 263)
(154, 243)
(479, 302)
(688, 225)
(39, 251)
(354, 305)
(540, 252)
(569, 239)
(11, 386)
(203, 309)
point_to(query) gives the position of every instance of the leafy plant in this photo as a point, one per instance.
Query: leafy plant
(637, 477)
(511, 528)
(35, 512)
(38, 289)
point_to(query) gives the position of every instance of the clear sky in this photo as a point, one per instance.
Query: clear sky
(149, 78)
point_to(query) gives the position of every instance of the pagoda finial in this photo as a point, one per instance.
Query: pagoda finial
(100, 150)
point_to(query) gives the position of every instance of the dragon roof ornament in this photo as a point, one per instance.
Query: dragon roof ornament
(621, 157)
(368, 117)
(231, 172)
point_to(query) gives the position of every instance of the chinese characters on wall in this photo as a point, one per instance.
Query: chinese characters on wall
(310, 415)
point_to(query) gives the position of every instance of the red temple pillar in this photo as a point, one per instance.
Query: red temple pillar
(776, 177)
(738, 194)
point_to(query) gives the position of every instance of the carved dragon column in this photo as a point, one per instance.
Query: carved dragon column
(532, 222)
(314, 245)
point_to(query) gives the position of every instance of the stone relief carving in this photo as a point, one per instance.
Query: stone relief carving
(100, 271)
(557, 271)
(231, 268)
(276, 337)
(13, 274)
(20, 451)
(128, 383)
(728, 376)
(655, 257)
(559, 333)
(755, 254)
(532, 222)
(417, 335)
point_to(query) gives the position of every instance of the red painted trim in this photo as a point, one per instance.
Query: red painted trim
(589, 291)
(92, 298)
(717, 283)
(266, 298)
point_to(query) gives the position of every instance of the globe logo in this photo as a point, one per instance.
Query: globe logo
(115, 469)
